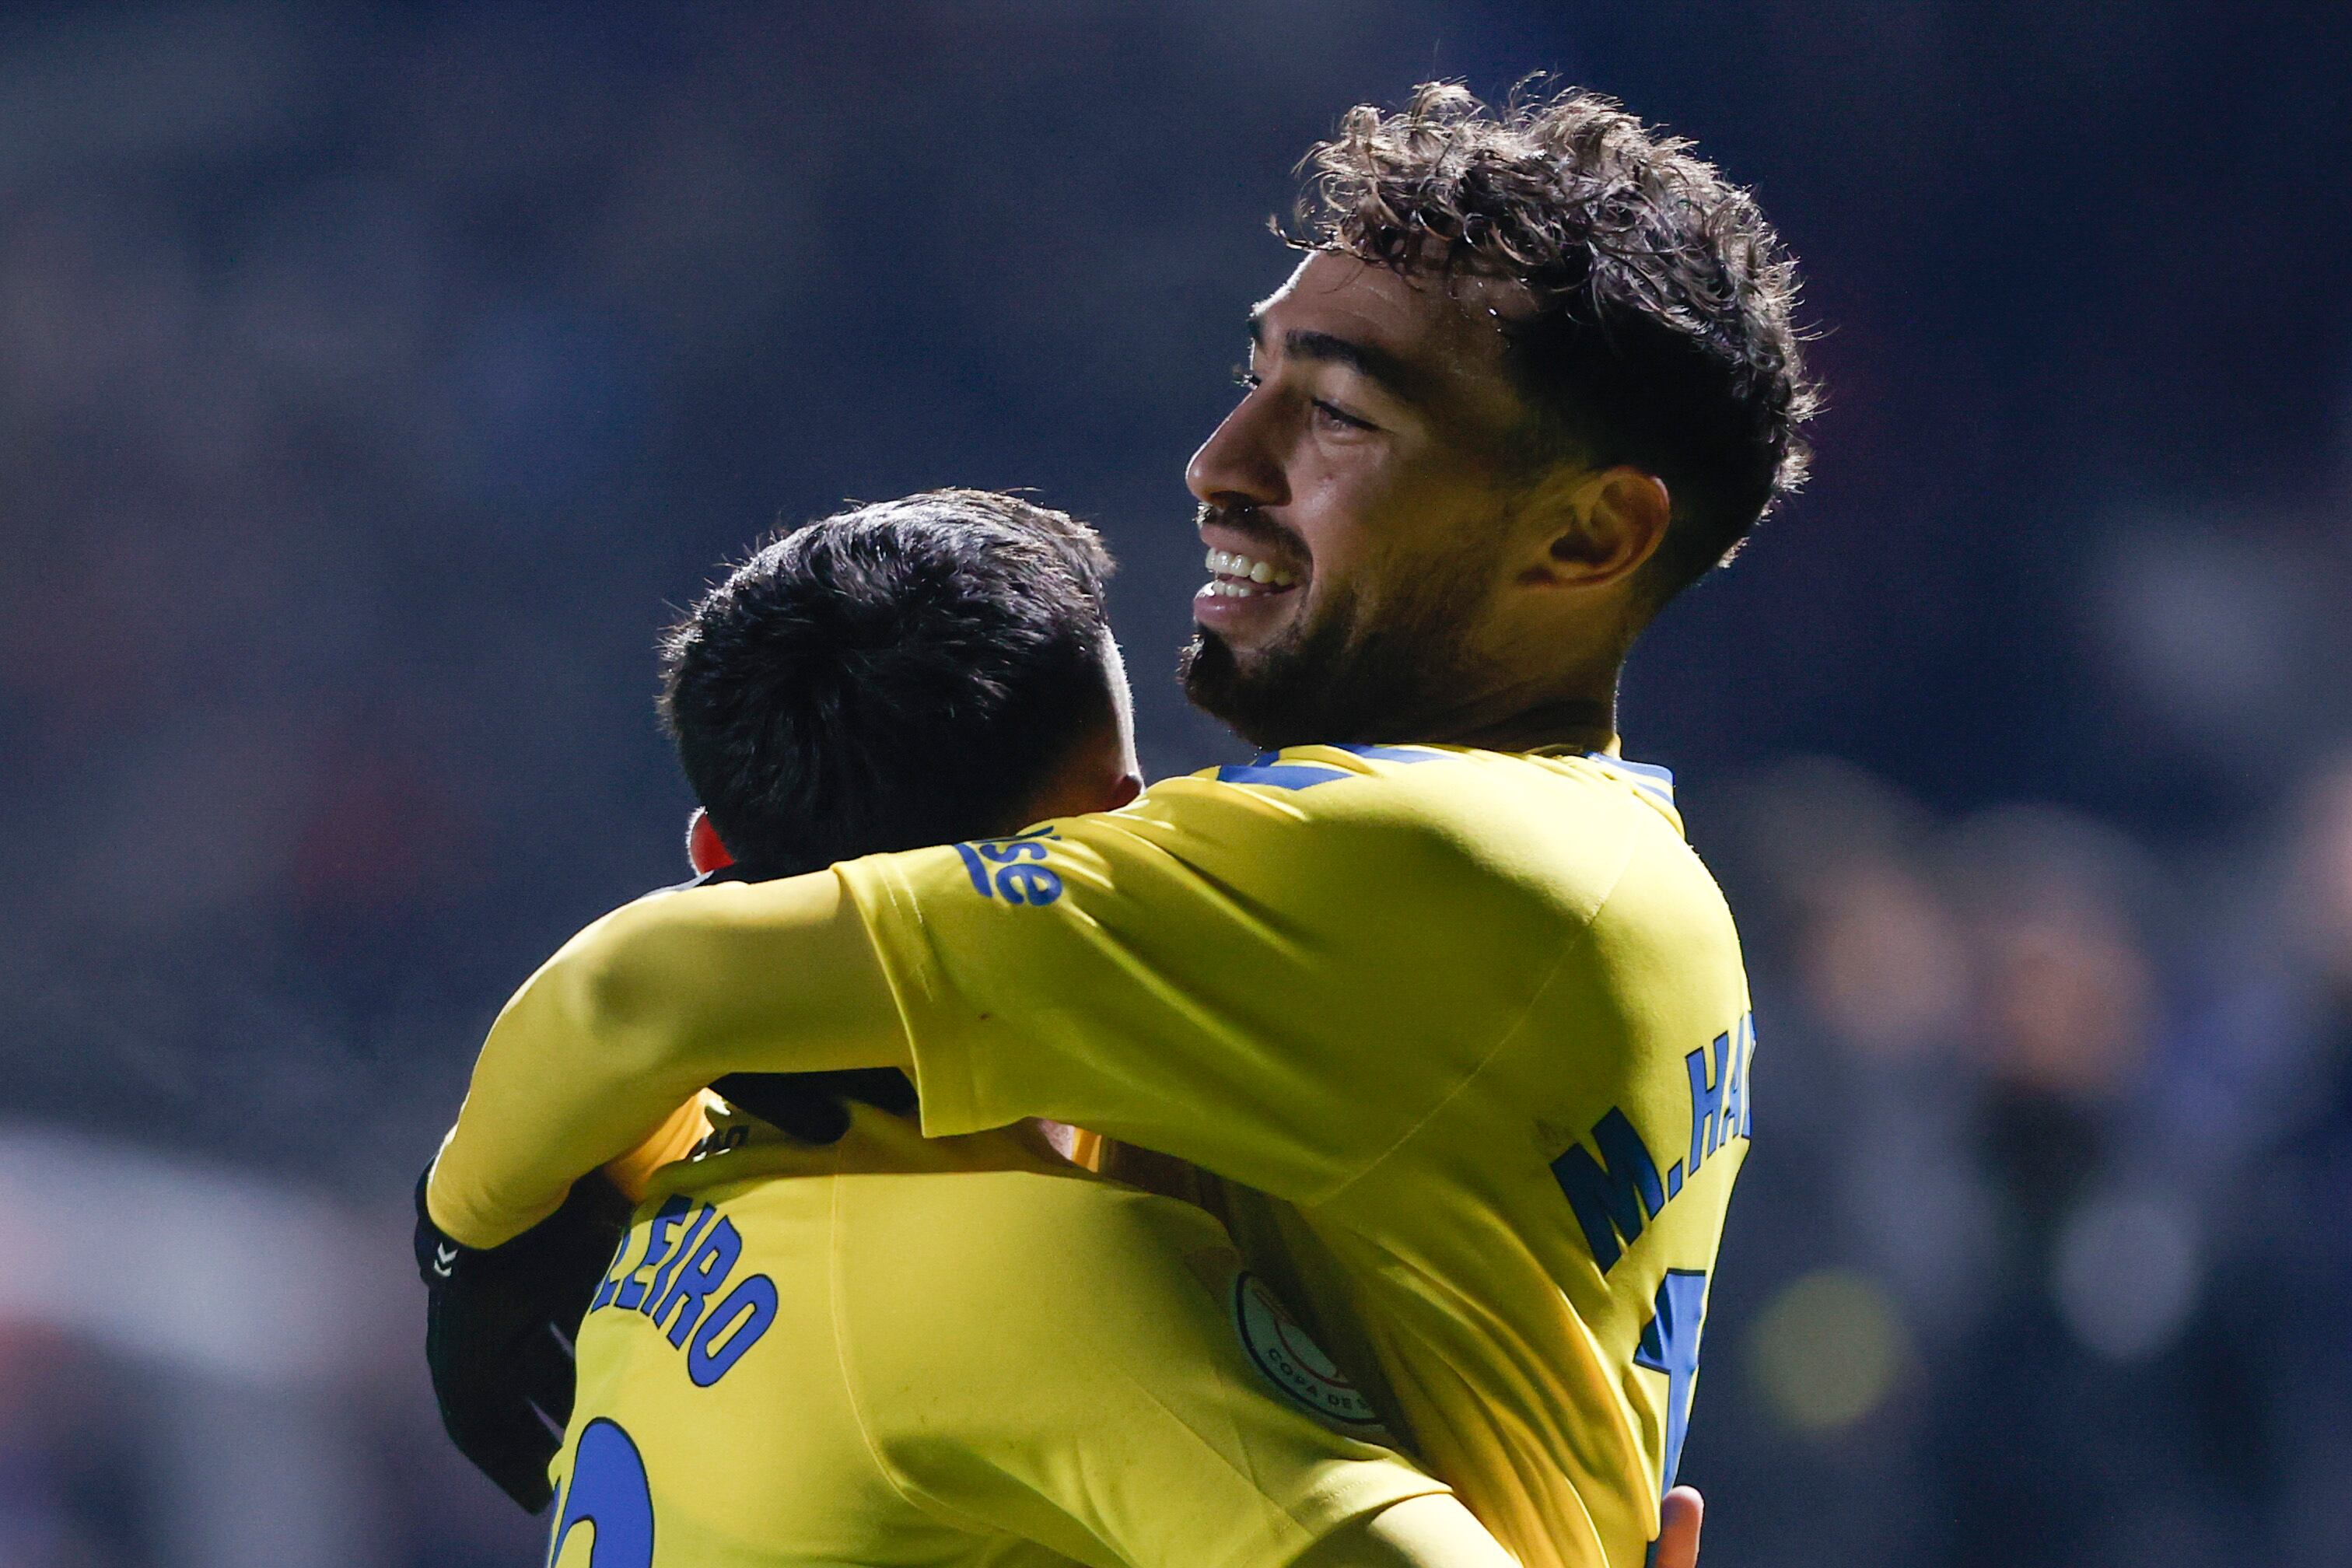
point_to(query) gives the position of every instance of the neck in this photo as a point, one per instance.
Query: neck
(1556, 691)
(1577, 724)
(1576, 714)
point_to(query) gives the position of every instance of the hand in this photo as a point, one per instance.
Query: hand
(1679, 1517)
(498, 1327)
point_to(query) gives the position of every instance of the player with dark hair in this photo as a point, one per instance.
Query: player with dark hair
(814, 693)
(818, 696)
(1433, 988)
(857, 1344)
(1539, 373)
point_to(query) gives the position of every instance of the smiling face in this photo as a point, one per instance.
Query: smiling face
(1367, 523)
(1442, 512)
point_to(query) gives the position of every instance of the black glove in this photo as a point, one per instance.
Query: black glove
(807, 1105)
(500, 1322)
(498, 1327)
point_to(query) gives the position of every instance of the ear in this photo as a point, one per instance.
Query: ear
(704, 852)
(1606, 529)
(1098, 775)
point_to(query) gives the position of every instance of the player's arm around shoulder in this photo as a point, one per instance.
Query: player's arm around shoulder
(1276, 975)
(636, 1013)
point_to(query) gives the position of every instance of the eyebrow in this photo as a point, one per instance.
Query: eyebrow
(1402, 380)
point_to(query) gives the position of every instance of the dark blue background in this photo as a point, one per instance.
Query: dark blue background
(373, 381)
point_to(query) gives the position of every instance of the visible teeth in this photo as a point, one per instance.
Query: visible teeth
(1226, 564)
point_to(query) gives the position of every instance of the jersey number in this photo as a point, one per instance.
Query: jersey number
(1670, 1344)
(608, 1493)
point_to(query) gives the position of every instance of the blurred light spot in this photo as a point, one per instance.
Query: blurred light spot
(2069, 989)
(2070, 1002)
(2125, 1274)
(1825, 1352)
(1882, 960)
(213, 1272)
(2322, 901)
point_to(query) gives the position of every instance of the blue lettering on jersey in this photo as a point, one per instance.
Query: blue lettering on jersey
(710, 1266)
(604, 1292)
(686, 1272)
(658, 1234)
(1012, 869)
(1670, 1344)
(1709, 1120)
(1612, 1200)
(1719, 1095)
(687, 1235)
(738, 1320)
(1616, 1194)
(1743, 1063)
(613, 1281)
(610, 1494)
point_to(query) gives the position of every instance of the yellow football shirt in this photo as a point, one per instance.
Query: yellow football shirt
(1474, 1026)
(949, 1351)
(1466, 1033)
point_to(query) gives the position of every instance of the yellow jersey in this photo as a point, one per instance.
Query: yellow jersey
(962, 1350)
(1472, 1028)
(1465, 1033)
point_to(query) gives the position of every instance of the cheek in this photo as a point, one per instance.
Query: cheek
(1389, 524)
(1345, 518)
(1364, 536)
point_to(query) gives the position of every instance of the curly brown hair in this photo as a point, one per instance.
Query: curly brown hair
(1663, 334)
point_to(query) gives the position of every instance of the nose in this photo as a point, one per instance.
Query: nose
(1240, 462)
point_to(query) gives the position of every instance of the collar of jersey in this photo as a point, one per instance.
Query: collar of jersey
(1650, 779)
(1271, 768)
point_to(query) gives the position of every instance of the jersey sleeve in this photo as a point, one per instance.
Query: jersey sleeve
(1112, 1410)
(1276, 983)
(593, 1058)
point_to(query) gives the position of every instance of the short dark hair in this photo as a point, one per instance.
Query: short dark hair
(897, 675)
(1664, 333)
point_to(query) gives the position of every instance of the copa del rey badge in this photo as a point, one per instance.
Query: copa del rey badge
(1293, 1363)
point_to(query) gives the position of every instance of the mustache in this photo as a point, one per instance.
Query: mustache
(1255, 524)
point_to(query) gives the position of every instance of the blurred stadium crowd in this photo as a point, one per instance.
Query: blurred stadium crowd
(371, 378)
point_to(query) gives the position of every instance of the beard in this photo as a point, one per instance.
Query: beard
(1343, 676)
